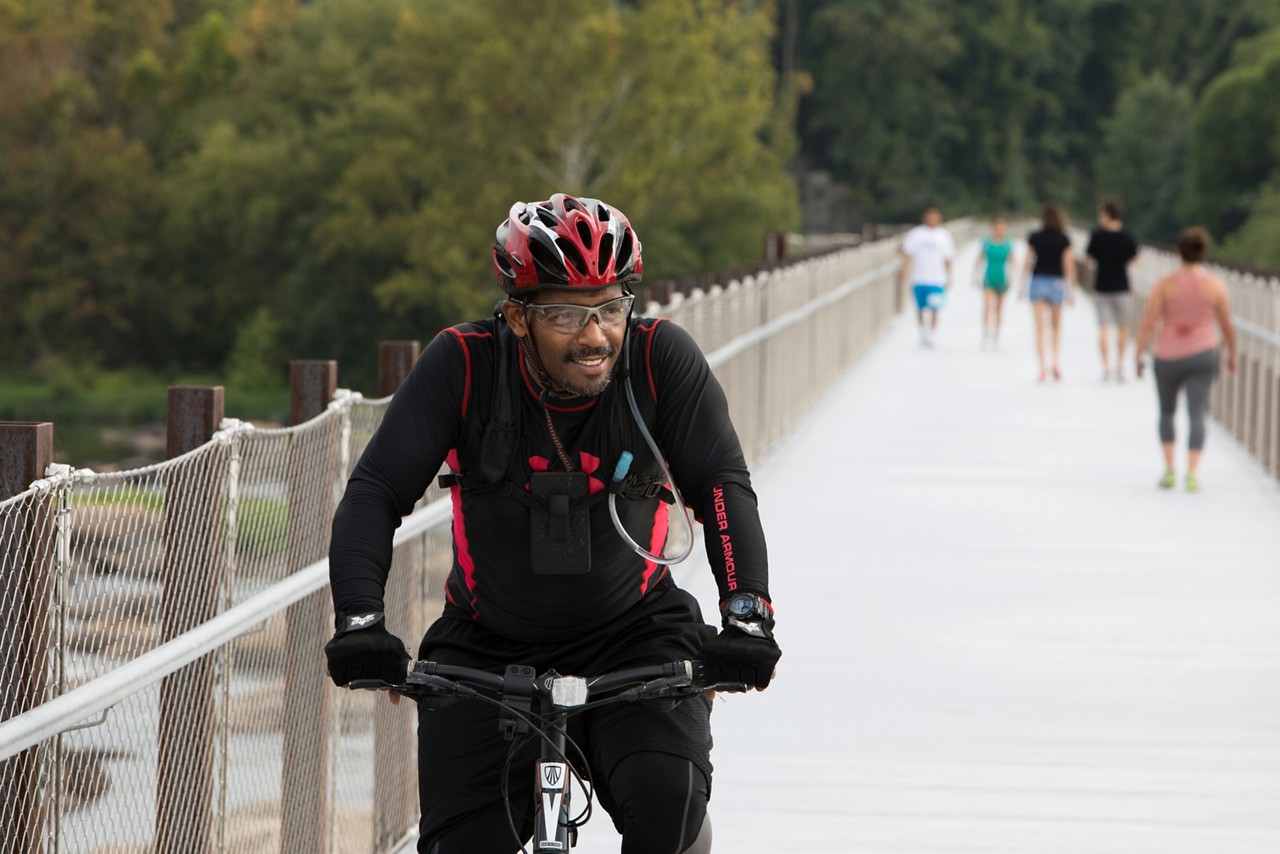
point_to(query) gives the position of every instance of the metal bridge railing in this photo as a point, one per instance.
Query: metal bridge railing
(163, 687)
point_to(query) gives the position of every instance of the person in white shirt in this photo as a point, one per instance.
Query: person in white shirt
(927, 252)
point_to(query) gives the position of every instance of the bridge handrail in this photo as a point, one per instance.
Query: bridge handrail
(97, 695)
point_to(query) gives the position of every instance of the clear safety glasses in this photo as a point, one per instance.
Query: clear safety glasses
(572, 318)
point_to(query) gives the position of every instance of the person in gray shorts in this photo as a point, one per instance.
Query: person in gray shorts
(1115, 311)
(1111, 250)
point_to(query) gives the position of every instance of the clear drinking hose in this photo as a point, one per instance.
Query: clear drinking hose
(620, 472)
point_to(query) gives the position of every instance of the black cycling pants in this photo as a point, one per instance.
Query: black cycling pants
(658, 802)
(638, 755)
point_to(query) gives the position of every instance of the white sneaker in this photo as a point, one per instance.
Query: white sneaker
(1119, 377)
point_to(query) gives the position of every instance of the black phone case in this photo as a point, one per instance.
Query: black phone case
(560, 527)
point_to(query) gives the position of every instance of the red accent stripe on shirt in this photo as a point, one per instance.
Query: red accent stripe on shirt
(461, 544)
(661, 522)
(466, 355)
(648, 355)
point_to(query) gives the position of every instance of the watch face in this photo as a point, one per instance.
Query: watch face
(741, 605)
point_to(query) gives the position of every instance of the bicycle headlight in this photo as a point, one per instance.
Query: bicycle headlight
(568, 691)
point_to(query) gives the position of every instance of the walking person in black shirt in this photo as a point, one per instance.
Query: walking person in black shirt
(532, 410)
(1049, 276)
(1112, 249)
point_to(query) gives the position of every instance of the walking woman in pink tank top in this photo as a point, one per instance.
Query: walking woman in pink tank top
(1185, 304)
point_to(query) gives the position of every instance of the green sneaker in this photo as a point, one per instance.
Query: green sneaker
(1192, 482)
(1169, 480)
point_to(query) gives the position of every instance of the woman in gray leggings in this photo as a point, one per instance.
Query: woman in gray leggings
(1186, 304)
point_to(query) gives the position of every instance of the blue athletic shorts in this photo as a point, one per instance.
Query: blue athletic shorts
(931, 297)
(1050, 289)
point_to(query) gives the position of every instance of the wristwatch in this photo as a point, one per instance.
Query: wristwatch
(747, 612)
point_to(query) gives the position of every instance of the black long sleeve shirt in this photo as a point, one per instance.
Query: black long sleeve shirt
(491, 580)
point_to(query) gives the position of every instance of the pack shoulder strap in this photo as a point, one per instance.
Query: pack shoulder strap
(493, 445)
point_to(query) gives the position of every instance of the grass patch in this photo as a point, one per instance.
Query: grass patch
(83, 403)
(262, 525)
(123, 399)
(145, 499)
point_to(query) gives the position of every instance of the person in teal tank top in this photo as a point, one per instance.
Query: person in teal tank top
(997, 254)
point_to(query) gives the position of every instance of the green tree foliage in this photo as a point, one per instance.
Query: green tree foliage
(998, 104)
(1234, 140)
(255, 363)
(881, 111)
(1257, 243)
(78, 194)
(191, 183)
(1144, 155)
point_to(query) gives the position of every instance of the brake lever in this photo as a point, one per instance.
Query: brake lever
(656, 688)
(728, 687)
(370, 685)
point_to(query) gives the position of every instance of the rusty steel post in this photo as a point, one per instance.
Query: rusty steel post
(26, 559)
(304, 823)
(395, 360)
(192, 581)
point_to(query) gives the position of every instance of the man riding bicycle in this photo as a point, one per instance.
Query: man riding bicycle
(561, 419)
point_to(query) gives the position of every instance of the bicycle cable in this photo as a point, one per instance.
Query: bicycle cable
(534, 720)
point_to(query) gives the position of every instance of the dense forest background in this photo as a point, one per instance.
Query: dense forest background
(206, 188)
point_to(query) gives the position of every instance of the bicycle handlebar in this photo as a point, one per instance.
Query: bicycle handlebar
(425, 679)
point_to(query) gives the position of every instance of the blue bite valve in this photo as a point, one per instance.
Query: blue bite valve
(623, 466)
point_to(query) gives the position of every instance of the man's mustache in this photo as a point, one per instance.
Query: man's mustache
(590, 353)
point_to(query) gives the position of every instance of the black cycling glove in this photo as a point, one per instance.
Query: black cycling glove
(745, 650)
(362, 648)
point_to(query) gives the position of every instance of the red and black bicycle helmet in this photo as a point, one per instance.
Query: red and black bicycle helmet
(565, 242)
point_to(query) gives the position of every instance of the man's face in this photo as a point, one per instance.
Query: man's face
(579, 362)
(933, 217)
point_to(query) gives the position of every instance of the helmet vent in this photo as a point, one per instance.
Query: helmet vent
(571, 204)
(585, 234)
(549, 267)
(605, 255)
(572, 256)
(625, 259)
(546, 217)
(500, 258)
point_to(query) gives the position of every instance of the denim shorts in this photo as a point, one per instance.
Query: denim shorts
(1050, 289)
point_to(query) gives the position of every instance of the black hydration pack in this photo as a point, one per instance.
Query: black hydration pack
(559, 502)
